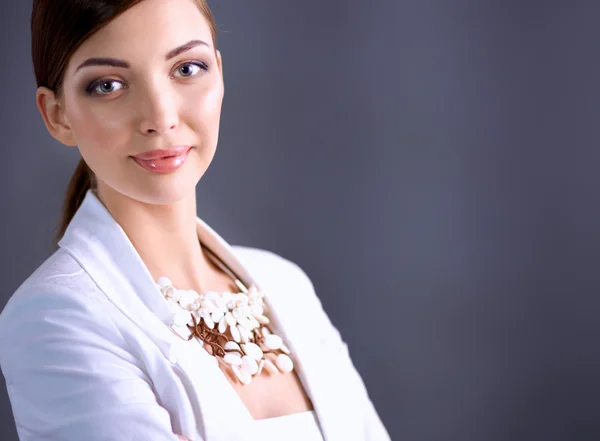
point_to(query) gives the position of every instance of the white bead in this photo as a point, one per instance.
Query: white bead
(222, 325)
(210, 306)
(237, 313)
(283, 348)
(168, 291)
(273, 341)
(217, 315)
(242, 375)
(270, 367)
(257, 309)
(284, 363)
(252, 291)
(246, 310)
(163, 282)
(179, 293)
(232, 358)
(186, 298)
(261, 365)
(253, 350)
(196, 304)
(262, 319)
(245, 323)
(208, 321)
(235, 333)
(253, 322)
(211, 295)
(249, 365)
(221, 303)
(232, 346)
(230, 319)
(265, 331)
(173, 305)
(244, 334)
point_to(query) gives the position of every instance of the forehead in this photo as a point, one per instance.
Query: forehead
(146, 31)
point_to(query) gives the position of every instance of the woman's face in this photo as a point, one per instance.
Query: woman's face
(152, 95)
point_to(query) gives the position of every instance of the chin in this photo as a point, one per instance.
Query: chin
(166, 193)
(159, 190)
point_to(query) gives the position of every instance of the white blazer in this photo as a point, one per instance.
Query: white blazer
(87, 354)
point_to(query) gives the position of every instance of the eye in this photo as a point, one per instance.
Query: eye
(104, 87)
(190, 69)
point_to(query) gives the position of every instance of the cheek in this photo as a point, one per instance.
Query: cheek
(213, 101)
(204, 112)
(97, 127)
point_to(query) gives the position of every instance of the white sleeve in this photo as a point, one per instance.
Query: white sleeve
(374, 428)
(69, 374)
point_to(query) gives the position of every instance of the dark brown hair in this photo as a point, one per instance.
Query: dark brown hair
(58, 28)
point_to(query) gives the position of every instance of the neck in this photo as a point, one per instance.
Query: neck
(165, 236)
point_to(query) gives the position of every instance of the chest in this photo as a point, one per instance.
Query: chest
(203, 400)
(272, 395)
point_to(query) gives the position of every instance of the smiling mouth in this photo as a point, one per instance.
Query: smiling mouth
(165, 163)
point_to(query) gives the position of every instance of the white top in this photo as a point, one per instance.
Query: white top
(301, 426)
(88, 354)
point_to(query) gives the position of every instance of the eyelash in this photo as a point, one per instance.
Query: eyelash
(90, 89)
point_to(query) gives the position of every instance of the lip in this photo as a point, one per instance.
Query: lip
(163, 160)
(176, 150)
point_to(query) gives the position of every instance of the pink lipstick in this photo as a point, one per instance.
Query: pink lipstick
(163, 160)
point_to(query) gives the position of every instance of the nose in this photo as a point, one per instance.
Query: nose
(158, 110)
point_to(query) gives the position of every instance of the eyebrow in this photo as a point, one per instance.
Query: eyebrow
(124, 64)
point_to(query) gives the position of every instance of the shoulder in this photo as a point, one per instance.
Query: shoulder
(281, 278)
(57, 303)
(58, 280)
(289, 286)
(268, 266)
(257, 257)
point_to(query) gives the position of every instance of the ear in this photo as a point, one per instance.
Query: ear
(52, 110)
(220, 62)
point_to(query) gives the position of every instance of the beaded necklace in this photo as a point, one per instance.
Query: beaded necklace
(234, 326)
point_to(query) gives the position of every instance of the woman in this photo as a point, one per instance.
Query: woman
(145, 324)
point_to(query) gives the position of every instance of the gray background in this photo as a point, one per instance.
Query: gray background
(432, 165)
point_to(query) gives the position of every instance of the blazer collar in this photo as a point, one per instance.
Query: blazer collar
(94, 237)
